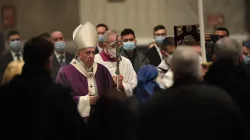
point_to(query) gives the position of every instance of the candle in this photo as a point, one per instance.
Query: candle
(202, 32)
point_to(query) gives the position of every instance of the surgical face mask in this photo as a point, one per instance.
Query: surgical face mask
(101, 38)
(15, 46)
(112, 52)
(128, 46)
(60, 46)
(159, 39)
(246, 59)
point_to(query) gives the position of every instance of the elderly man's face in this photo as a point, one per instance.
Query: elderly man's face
(87, 56)
(112, 39)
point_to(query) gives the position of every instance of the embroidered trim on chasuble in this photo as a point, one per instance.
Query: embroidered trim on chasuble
(84, 103)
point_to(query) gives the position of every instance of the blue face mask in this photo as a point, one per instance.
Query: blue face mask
(247, 59)
(15, 46)
(128, 46)
(101, 38)
(159, 39)
(60, 46)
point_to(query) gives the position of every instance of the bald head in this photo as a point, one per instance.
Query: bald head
(110, 36)
(57, 36)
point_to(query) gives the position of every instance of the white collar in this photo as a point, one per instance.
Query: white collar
(159, 51)
(99, 48)
(14, 53)
(163, 65)
(77, 64)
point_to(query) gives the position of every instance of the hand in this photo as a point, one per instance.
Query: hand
(119, 81)
(165, 54)
(207, 37)
(93, 99)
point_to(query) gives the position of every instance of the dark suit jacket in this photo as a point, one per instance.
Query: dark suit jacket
(5, 59)
(56, 65)
(153, 56)
(138, 60)
(46, 110)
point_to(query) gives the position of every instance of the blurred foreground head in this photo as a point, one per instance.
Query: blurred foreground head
(227, 49)
(38, 53)
(193, 112)
(113, 118)
(186, 64)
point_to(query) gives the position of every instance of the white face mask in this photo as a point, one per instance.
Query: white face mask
(112, 52)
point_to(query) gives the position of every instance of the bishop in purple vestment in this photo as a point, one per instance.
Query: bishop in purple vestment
(87, 79)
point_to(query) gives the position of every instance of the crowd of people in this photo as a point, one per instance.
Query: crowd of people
(109, 89)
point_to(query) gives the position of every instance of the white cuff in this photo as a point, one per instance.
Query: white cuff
(84, 106)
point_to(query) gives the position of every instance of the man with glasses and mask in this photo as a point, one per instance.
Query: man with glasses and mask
(130, 51)
(87, 79)
(154, 53)
(127, 78)
(15, 44)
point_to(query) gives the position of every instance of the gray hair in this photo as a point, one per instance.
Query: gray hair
(109, 33)
(227, 48)
(186, 63)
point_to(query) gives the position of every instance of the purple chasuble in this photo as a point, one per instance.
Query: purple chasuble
(78, 83)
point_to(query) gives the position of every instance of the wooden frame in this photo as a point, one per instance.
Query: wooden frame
(8, 14)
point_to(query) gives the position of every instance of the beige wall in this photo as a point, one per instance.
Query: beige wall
(143, 15)
(37, 16)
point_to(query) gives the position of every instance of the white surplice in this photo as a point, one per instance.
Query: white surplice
(126, 70)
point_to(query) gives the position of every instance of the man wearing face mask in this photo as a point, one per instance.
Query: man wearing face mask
(101, 29)
(60, 56)
(246, 52)
(15, 44)
(129, 50)
(167, 49)
(154, 54)
(87, 79)
(127, 78)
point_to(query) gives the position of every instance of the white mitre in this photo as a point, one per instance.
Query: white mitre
(85, 36)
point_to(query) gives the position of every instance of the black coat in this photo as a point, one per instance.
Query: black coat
(153, 56)
(138, 60)
(233, 79)
(56, 65)
(32, 106)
